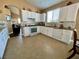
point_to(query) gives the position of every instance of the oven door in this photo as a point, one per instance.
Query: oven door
(33, 30)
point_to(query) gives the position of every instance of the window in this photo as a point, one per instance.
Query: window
(56, 15)
(49, 16)
(53, 16)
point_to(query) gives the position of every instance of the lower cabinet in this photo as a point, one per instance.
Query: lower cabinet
(39, 29)
(49, 32)
(3, 41)
(67, 36)
(26, 31)
(45, 30)
(58, 34)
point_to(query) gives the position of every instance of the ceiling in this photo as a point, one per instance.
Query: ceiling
(43, 3)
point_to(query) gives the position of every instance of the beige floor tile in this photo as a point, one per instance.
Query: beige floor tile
(36, 47)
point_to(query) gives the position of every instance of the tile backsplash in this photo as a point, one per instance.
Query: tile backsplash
(69, 24)
(65, 24)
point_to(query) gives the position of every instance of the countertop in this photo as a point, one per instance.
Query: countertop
(50, 27)
(59, 28)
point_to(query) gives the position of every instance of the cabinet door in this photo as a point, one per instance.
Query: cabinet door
(57, 33)
(41, 29)
(38, 29)
(37, 17)
(25, 15)
(69, 13)
(43, 17)
(44, 30)
(33, 14)
(67, 36)
(26, 31)
(63, 14)
(49, 31)
(72, 12)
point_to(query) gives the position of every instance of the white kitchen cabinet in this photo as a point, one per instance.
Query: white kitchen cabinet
(4, 35)
(29, 14)
(67, 36)
(63, 13)
(69, 13)
(57, 33)
(43, 17)
(41, 29)
(26, 31)
(44, 30)
(32, 14)
(37, 17)
(49, 31)
(72, 12)
(25, 15)
(38, 29)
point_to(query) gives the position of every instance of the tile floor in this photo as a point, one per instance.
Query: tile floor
(36, 47)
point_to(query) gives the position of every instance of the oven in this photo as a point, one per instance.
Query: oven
(33, 30)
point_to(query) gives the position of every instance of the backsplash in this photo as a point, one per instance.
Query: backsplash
(64, 24)
(69, 24)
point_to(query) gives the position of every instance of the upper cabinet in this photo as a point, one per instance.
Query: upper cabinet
(28, 14)
(37, 17)
(43, 17)
(32, 15)
(25, 15)
(40, 17)
(63, 14)
(69, 13)
(72, 12)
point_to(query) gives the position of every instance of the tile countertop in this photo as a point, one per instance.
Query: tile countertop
(59, 28)
(51, 27)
